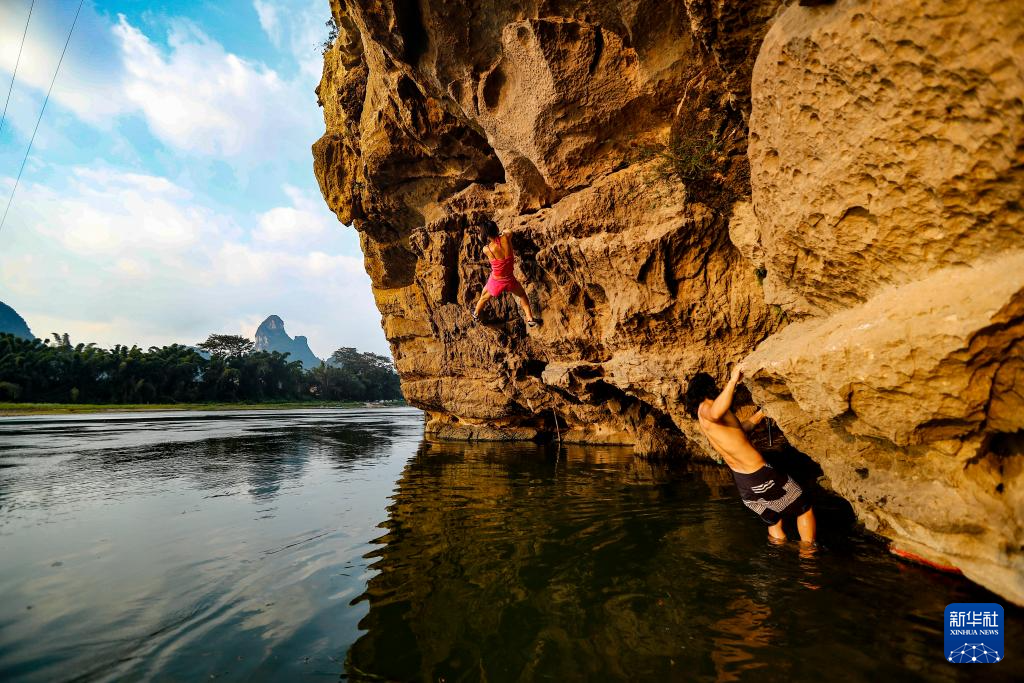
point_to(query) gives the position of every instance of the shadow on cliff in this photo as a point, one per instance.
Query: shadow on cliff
(834, 513)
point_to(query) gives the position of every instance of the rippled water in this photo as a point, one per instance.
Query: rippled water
(302, 545)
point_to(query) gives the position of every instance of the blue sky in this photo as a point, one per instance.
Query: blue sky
(170, 192)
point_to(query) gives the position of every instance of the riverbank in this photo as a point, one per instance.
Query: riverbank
(71, 408)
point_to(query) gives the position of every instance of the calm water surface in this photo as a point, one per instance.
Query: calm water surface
(337, 544)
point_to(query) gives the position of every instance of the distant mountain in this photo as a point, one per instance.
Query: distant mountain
(202, 352)
(270, 336)
(12, 323)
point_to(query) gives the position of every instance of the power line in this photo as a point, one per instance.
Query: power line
(16, 63)
(45, 100)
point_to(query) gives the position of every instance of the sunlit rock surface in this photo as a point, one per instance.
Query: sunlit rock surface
(551, 118)
(887, 160)
(829, 192)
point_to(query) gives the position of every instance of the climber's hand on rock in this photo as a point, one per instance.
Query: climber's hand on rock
(737, 374)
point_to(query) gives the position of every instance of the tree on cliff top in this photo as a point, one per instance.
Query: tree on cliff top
(229, 345)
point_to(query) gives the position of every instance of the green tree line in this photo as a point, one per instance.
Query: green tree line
(57, 371)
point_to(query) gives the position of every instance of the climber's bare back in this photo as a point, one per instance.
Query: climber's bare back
(730, 440)
(499, 248)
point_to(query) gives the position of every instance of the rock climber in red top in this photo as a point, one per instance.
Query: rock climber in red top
(502, 257)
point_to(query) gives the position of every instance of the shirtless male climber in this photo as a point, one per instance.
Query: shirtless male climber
(774, 496)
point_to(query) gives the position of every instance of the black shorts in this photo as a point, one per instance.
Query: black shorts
(771, 494)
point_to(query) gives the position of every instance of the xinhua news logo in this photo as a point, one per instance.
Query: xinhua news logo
(974, 633)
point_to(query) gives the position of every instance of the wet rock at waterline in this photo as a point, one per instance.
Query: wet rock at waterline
(694, 184)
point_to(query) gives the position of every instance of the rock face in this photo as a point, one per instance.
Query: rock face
(887, 160)
(270, 336)
(560, 122)
(12, 323)
(821, 191)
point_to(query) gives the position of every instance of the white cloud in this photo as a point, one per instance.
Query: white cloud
(193, 94)
(117, 180)
(133, 269)
(268, 20)
(89, 83)
(203, 99)
(300, 25)
(110, 214)
(303, 223)
(122, 257)
(287, 224)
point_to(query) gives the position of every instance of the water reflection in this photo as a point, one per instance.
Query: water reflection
(250, 547)
(517, 563)
(739, 640)
(189, 547)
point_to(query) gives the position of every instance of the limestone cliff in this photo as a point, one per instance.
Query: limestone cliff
(821, 191)
(887, 161)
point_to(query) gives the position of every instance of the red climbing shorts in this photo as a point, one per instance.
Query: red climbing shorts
(495, 287)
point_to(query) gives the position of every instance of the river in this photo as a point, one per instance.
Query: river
(327, 544)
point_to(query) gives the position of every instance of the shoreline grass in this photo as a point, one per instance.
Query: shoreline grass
(14, 409)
